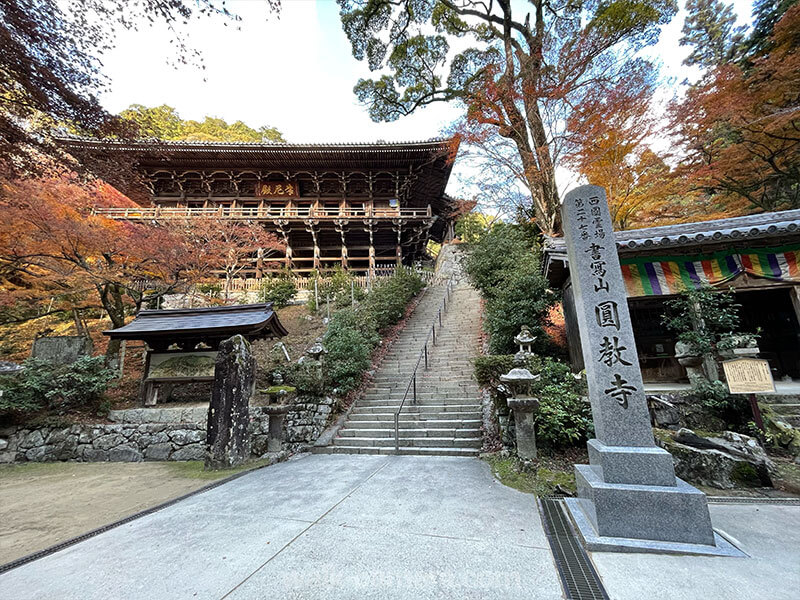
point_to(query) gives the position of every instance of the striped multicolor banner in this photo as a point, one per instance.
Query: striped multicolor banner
(656, 276)
(772, 263)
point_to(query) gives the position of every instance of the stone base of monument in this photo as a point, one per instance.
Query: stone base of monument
(626, 517)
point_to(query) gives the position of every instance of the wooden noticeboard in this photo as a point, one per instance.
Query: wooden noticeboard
(748, 376)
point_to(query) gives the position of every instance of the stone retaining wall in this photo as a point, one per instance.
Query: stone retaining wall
(160, 433)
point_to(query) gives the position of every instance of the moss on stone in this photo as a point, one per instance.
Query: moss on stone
(745, 475)
(277, 389)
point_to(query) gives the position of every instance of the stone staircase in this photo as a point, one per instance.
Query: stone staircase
(786, 408)
(446, 420)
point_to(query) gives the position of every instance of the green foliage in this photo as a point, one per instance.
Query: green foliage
(702, 318)
(349, 340)
(212, 290)
(564, 418)
(387, 301)
(524, 299)
(709, 29)
(489, 368)
(504, 266)
(164, 123)
(340, 288)
(353, 332)
(43, 385)
(278, 290)
(734, 409)
(497, 253)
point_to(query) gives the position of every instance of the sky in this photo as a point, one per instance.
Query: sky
(295, 72)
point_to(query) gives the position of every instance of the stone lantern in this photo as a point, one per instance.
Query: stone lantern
(690, 360)
(524, 339)
(519, 381)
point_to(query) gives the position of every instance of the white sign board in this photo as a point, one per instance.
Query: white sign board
(748, 376)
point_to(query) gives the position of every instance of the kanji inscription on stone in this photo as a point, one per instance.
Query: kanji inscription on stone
(616, 390)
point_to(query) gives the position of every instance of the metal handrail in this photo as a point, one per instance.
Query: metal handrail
(423, 353)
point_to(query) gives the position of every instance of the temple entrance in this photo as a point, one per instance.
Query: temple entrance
(772, 312)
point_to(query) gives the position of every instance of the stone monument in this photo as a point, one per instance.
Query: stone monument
(628, 496)
(228, 437)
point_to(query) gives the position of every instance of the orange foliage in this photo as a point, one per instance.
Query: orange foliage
(741, 127)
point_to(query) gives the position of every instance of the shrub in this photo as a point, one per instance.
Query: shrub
(504, 266)
(278, 290)
(349, 355)
(43, 385)
(337, 287)
(718, 401)
(564, 418)
(523, 299)
(497, 253)
(387, 301)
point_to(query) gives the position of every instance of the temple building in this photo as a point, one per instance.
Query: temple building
(756, 255)
(364, 207)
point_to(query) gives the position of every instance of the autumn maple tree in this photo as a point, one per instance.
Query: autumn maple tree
(739, 126)
(517, 72)
(225, 246)
(54, 251)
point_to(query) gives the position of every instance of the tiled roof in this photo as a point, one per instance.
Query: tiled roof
(758, 226)
(248, 319)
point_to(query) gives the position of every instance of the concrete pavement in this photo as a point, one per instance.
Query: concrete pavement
(768, 533)
(359, 526)
(321, 526)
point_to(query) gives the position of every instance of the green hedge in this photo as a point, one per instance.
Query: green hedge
(505, 267)
(354, 332)
(43, 385)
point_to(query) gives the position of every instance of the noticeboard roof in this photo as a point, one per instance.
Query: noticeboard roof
(253, 321)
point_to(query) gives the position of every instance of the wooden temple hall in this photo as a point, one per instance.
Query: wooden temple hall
(755, 256)
(359, 206)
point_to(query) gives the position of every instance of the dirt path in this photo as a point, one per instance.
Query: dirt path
(43, 504)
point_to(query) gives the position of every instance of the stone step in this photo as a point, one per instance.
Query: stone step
(417, 408)
(404, 450)
(412, 442)
(388, 415)
(786, 409)
(414, 423)
(448, 432)
(781, 399)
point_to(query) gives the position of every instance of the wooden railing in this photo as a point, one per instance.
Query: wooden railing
(246, 213)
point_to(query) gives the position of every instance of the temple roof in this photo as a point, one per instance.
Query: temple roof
(250, 320)
(684, 238)
(276, 156)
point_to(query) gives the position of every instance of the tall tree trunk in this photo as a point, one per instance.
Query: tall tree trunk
(111, 299)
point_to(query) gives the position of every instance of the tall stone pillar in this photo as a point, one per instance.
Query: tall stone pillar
(228, 436)
(628, 496)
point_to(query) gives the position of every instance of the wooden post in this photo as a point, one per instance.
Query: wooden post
(259, 263)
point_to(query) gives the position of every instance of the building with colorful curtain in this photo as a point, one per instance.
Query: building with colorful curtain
(756, 256)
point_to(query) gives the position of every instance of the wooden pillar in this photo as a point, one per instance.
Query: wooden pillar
(259, 263)
(283, 228)
(341, 228)
(398, 251)
(311, 227)
(794, 294)
(369, 228)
